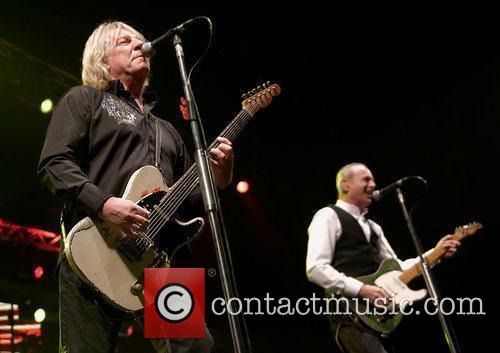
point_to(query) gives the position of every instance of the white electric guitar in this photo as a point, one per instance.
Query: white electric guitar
(112, 262)
(394, 281)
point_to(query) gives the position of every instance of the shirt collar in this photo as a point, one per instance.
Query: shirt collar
(351, 209)
(116, 88)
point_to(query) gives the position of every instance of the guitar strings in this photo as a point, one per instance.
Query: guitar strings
(191, 179)
(230, 132)
(162, 213)
(191, 176)
(193, 172)
(230, 129)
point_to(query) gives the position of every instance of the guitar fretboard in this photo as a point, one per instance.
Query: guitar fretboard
(416, 270)
(188, 182)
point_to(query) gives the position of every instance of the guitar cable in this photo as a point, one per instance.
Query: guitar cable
(337, 340)
(195, 105)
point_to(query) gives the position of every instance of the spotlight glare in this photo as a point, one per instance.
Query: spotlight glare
(46, 106)
(39, 315)
(38, 272)
(242, 187)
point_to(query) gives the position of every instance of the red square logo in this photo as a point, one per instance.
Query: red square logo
(174, 303)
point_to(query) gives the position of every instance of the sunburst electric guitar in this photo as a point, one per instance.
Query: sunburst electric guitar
(112, 262)
(394, 281)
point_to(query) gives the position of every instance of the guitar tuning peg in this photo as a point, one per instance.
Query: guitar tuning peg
(244, 96)
(268, 83)
(260, 88)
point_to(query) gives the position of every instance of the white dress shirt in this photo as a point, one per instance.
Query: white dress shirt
(324, 232)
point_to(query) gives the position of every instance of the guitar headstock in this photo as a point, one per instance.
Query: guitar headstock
(469, 229)
(260, 97)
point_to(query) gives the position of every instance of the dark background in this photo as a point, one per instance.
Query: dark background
(404, 90)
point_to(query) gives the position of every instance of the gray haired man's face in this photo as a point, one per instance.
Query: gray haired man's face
(360, 186)
(126, 58)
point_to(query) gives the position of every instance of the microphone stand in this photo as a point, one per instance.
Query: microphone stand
(429, 281)
(210, 199)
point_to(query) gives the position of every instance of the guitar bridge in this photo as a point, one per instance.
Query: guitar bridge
(159, 261)
(130, 251)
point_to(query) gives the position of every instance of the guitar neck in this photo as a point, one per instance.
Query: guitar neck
(188, 182)
(234, 128)
(230, 132)
(416, 270)
(253, 102)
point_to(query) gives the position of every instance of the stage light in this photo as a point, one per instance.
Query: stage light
(46, 106)
(38, 272)
(242, 187)
(39, 315)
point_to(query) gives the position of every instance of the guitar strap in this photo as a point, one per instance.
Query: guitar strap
(63, 228)
(158, 145)
(374, 242)
(379, 241)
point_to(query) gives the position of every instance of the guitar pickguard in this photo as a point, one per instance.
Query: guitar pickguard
(114, 263)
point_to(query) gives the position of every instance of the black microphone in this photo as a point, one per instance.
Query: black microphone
(378, 194)
(148, 49)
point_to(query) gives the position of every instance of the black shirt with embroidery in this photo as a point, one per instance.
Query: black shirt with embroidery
(96, 140)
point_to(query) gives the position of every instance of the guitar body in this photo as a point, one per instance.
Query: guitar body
(393, 281)
(113, 263)
(387, 278)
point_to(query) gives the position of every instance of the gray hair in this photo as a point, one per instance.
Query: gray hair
(344, 173)
(95, 68)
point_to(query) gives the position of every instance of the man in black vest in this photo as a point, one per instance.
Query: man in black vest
(344, 244)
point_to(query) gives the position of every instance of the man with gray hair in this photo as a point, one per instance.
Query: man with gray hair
(344, 244)
(99, 135)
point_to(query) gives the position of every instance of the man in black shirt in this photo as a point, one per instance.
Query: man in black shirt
(99, 134)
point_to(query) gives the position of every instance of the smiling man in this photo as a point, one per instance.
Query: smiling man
(99, 135)
(344, 244)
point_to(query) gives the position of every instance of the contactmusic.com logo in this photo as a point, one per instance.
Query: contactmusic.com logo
(174, 303)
